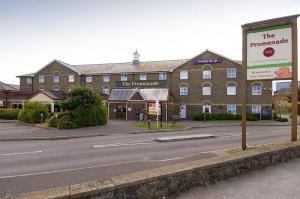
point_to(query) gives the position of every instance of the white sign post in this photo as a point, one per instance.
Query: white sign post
(157, 109)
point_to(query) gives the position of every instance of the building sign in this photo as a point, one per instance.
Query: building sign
(269, 53)
(141, 84)
(207, 61)
(154, 108)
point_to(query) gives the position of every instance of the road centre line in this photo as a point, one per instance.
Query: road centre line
(21, 153)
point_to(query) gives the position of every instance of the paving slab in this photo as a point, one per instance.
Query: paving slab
(185, 137)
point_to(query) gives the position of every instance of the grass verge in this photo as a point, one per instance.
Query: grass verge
(153, 126)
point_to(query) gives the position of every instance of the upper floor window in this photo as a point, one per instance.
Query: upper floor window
(184, 74)
(88, 79)
(231, 108)
(256, 109)
(105, 91)
(56, 79)
(231, 90)
(256, 90)
(143, 76)
(162, 76)
(207, 74)
(41, 79)
(206, 90)
(184, 90)
(29, 80)
(56, 88)
(71, 78)
(106, 78)
(231, 73)
(124, 77)
(41, 87)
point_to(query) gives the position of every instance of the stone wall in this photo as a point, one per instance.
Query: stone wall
(160, 182)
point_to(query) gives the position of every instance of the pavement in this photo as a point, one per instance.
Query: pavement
(16, 131)
(276, 182)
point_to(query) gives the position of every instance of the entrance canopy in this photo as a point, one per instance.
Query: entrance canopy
(161, 94)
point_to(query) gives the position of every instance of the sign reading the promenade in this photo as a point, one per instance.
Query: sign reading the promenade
(269, 53)
(141, 84)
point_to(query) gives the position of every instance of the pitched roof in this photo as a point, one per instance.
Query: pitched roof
(52, 94)
(8, 87)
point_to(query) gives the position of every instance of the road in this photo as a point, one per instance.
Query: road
(276, 182)
(34, 165)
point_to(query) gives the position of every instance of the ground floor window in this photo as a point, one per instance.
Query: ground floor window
(183, 90)
(256, 109)
(231, 108)
(1, 103)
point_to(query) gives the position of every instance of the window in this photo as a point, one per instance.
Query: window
(124, 77)
(231, 108)
(184, 74)
(41, 79)
(162, 76)
(71, 78)
(231, 73)
(88, 79)
(256, 109)
(56, 79)
(206, 90)
(184, 90)
(29, 80)
(1, 104)
(56, 88)
(41, 88)
(143, 76)
(106, 78)
(105, 91)
(231, 90)
(207, 74)
(256, 90)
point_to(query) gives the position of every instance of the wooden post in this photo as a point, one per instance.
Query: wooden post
(166, 111)
(294, 81)
(244, 93)
(108, 110)
(126, 110)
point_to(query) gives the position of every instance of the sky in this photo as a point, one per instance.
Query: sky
(34, 32)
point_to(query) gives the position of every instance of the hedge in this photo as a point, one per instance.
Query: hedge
(9, 114)
(32, 112)
(228, 116)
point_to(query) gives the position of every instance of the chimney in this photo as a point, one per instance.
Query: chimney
(136, 56)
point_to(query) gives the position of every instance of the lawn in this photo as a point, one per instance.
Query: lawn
(153, 126)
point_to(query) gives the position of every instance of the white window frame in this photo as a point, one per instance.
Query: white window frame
(231, 108)
(106, 78)
(143, 77)
(71, 78)
(89, 79)
(231, 73)
(162, 76)
(55, 78)
(124, 77)
(29, 80)
(206, 74)
(41, 79)
(105, 91)
(229, 91)
(206, 90)
(256, 109)
(184, 90)
(1, 103)
(256, 91)
(184, 74)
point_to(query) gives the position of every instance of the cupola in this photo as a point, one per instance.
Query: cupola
(136, 57)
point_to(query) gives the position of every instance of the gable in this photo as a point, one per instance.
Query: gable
(55, 66)
(136, 97)
(40, 97)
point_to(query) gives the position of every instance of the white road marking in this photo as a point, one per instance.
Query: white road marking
(21, 153)
(125, 144)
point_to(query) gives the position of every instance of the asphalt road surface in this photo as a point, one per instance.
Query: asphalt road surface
(34, 165)
(276, 182)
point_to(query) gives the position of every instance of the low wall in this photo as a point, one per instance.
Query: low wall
(164, 181)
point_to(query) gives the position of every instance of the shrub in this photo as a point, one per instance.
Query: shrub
(225, 116)
(9, 114)
(63, 121)
(32, 112)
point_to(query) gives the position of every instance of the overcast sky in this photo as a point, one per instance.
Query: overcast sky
(34, 32)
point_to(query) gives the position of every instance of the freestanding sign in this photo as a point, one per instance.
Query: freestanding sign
(270, 52)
